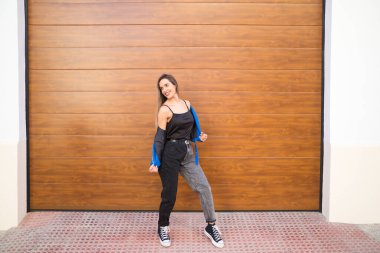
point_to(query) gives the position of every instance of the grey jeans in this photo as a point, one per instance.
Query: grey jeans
(197, 180)
(179, 158)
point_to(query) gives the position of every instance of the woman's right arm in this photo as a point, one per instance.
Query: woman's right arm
(159, 139)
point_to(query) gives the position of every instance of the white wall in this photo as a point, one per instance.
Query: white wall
(351, 189)
(12, 114)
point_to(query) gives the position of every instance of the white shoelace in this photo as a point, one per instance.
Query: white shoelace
(217, 233)
(164, 233)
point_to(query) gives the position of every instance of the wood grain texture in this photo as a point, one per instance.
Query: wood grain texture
(175, 13)
(250, 102)
(251, 69)
(101, 124)
(259, 125)
(134, 171)
(92, 102)
(218, 103)
(138, 80)
(112, 197)
(174, 35)
(144, 57)
(132, 146)
(238, 125)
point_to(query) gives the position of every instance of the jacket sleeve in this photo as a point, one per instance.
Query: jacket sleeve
(158, 146)
(195, 134)
(197, 127)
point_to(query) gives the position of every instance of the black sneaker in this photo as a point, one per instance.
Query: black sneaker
(163, 234)
(213, 232)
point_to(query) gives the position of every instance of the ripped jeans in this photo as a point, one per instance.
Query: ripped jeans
(178, 158)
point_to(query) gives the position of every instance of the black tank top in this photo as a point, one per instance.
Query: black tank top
(180, 125)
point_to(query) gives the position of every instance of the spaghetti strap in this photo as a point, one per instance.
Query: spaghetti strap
(188, 109)
(169, 108)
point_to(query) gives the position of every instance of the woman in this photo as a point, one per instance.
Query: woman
(173, 154)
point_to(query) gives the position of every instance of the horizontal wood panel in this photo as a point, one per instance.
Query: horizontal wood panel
(262, 147)
(246, 197)
(252, 70)
(142, 124)
(120, 146)
(176, 35)
(100, 124)
(134, 171)
(204, 80)
(250, 102)
(219, 102)
(114, 196)
(144, 57)
(92, 102)
(175, 13)
(173, 1)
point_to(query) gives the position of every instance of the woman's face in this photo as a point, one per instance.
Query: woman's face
(167, 88)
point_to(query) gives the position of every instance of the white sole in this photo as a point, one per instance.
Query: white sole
(164, 244)
(212, 240)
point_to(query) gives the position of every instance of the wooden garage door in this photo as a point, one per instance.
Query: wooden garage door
(251, 68)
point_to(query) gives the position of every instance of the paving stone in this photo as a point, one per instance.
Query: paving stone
(112, 232)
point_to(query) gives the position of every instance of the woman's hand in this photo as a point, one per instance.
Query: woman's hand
(153, 169)
(203, 136)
